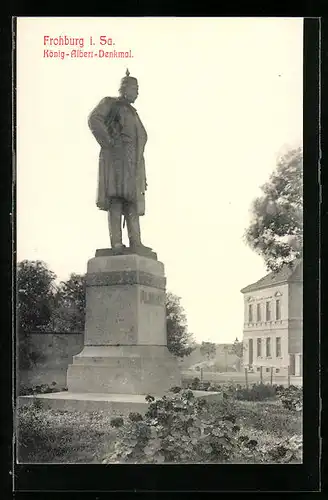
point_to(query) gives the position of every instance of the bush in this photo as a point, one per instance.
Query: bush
(258, 392)
(175, 389)
(288, 450)
(197, 385)
(194, 384)
(175, 429)
(182, 429)
(262, 416)
(24, 390)
(291, 398)
(117, 422)
(135, 417)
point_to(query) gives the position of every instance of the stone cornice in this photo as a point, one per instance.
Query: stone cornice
(113, 278)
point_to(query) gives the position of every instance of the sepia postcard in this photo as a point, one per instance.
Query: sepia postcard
(159, 272)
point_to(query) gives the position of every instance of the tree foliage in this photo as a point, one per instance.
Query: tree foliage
(208, 349)
(35, 295)
(35, 300)
(69, 313)
(237, 348)
(179, 340)
(276, 229)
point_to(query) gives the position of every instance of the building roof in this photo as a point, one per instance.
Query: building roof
(286, 274)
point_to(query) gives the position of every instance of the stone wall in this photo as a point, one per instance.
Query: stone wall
(53, 353)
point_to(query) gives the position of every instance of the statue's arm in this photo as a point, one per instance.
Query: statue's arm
(96, 122)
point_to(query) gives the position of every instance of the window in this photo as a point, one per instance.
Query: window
(259, 348)
(250, 313)
(258, 312)
(267, 370)
(267, 311)
(258, 369)
(278, 310)
(278, 347)
(268, 347)
(277, 370)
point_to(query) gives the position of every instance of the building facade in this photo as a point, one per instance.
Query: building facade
(273, 322)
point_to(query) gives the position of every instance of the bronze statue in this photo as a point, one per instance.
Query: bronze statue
(122, 177)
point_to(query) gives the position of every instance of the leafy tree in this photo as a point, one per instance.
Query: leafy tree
(69, 313)
(276, 229)
(208, 349)
(179, 340)
(35, 295)
(237, 349)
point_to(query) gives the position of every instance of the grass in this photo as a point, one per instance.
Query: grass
(267, 422)
(269, 416)
(57, 436)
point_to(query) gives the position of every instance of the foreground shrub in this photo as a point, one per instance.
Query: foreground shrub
(258, 392)
(262, 416)
(175, 429)
(38, 389)
(185, 429)
(291, 398)
(285, 451)
(116, 422)
(197, 385)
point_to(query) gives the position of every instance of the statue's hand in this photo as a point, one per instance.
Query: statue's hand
(107, 143)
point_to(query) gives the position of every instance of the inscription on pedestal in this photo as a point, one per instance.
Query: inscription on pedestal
(152, 298)
(132, 277)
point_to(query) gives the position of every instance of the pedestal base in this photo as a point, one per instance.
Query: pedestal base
(115, 404)
(123, 370)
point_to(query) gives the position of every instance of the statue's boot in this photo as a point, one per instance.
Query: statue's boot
(115, 224)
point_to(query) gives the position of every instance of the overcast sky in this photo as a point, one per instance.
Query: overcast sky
(219, 98)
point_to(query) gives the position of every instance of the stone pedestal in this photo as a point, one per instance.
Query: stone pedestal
(125, 349)
(125, 354)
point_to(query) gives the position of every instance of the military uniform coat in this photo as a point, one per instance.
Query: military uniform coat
(122, 138)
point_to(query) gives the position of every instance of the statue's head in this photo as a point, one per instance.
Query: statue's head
(129, 87)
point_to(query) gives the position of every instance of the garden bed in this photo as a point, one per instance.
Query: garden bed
(53, 436)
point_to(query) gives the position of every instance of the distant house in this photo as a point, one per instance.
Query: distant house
(273, 321)
(223, 358)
